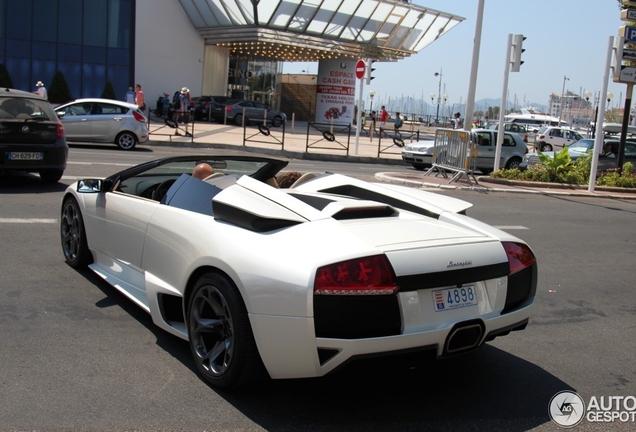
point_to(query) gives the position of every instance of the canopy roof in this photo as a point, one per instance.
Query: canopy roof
(310, 30)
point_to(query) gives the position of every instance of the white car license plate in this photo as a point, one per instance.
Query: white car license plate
(454, 298)
(26, 155)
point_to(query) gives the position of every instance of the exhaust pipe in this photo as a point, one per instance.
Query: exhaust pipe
(463, 337)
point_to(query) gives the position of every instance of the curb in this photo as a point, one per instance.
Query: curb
(388, 178)
(325, 157)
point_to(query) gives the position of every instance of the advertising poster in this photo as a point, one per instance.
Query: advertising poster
(336, 91)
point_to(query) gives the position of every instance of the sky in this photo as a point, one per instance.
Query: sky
(564, 38)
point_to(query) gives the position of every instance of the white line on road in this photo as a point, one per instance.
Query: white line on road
(510, 227)
(28, 221)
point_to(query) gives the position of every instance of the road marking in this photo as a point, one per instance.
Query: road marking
(28, 221)
(510, 227)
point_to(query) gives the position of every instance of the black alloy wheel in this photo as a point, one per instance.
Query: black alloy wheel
(73, 235)
(220, 335)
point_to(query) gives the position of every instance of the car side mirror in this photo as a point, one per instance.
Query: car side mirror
(60, 114)
(90, 186)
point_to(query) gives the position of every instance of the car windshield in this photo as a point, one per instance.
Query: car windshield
(582, 145)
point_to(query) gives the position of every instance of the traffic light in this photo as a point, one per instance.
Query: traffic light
(369, 70)
(517, 50)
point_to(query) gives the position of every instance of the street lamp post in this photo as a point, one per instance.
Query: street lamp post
(371, 94)
(565, 78)
(445, 99)
(587, 95)
(432, 97)
(439, 93)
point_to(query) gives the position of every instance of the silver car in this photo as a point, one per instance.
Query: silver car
(104, 121)
(420, 154)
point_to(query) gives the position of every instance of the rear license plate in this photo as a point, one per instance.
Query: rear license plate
(454, 298)
(26, 156)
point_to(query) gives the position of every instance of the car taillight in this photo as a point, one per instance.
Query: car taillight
(541, 136)
(59, 130)
(228, 108)
(519, 256)
(139, 117)
(361, 276)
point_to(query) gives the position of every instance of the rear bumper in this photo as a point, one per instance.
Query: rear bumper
(308, 356)
(54, 157)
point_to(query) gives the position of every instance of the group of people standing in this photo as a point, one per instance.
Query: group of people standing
(383, 118)
(181, 103)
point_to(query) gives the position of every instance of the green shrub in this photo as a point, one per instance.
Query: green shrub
(109, 91)
(613, 178)
(59, 92)
(5, 78)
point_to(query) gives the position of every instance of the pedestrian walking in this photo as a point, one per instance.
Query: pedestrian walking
(140, 99)
(457, 121)
(372, 125)
(130, 96)
(41, 90)
(384, 116)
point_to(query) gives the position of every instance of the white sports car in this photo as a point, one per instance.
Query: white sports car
(295, 282)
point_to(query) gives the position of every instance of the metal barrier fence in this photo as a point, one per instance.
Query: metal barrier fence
(454, 150)
(329, 133)
(397, 139)
(265, 128)
(180, 124)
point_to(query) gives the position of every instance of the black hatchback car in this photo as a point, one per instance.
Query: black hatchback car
(203, 105)
(32, 137)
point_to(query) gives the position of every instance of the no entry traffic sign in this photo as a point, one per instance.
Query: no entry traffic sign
(360, 66)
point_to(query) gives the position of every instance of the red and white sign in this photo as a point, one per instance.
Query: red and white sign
(360, 66)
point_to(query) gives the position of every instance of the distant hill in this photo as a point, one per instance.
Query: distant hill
(488, 102)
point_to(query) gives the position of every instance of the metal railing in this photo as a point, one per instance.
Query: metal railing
(180, 124)
(331, 133)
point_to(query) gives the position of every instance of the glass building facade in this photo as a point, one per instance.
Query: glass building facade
(254, 79)
(90, 41)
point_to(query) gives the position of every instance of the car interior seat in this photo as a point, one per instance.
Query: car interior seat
(213, 175)
(303, 179)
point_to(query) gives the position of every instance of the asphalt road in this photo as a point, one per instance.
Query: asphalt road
(77, 355)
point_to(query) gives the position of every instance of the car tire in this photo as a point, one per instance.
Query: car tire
(277, 121)
(419, 167)
(546, 147)
(51, 176)
(73, 235)
(220, 335)
(238, 119)
(126, 141)
(513, 163)
(485, 171)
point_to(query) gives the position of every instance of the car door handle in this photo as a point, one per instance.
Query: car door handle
(84, 119)
(117, 118)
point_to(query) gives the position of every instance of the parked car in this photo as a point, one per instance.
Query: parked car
(204, 103)
(296, 282)
(420, 154)
(32, 138)
(520, 129)
(555, 138)
(583, 148)
(104, 121)
(254, 112)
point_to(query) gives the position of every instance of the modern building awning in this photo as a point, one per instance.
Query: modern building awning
(310, 30)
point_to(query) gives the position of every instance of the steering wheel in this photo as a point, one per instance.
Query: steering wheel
(160, 192)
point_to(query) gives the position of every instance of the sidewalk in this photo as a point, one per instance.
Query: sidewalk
(295, 145)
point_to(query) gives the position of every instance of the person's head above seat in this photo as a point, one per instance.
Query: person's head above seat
(202, 170)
